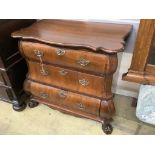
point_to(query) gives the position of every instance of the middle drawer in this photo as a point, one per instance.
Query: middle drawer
(66, 78)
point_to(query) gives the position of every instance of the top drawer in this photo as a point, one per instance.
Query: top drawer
(79, 59)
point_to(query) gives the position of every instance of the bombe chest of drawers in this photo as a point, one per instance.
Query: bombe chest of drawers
(71, 66)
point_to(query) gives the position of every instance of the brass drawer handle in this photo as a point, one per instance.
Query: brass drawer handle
(84, 82)
(83, 62)
(60, 52)
(44, 72)
(38, 53)
(43, 95)
(81, 106)
(63, 72)
(62, 93)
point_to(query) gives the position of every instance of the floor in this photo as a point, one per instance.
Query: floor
(44, 120)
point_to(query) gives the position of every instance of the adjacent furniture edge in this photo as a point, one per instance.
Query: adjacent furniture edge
(139, 77)
(11, 63)
(140, 71)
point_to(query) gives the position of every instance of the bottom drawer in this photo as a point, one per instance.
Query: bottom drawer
(64, 98)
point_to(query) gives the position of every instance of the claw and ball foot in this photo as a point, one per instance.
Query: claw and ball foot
(18, 106)
(32, 103)
(107, 128)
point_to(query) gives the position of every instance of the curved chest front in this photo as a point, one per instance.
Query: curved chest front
(81, 74)
(71, 65)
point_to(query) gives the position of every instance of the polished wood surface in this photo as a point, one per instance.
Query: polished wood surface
(99, 63)
(68, 79)
(140, 71)
(99, 37)
(150, 69)
(107, 109)
(71, 65)
(64, 98)
(73, 112)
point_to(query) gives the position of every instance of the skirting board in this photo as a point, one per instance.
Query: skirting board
(124, 87)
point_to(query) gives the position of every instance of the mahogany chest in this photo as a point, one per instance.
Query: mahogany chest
(13, 67)
(71, 65)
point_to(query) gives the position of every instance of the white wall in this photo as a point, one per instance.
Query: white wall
(120, 86)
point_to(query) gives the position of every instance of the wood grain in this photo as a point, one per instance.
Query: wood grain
(70, 100)
(96, 36)
(78, 59)
(100, 63)
(140, 71)
(69, 81)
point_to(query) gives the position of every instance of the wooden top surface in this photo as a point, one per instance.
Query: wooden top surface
(96, 36)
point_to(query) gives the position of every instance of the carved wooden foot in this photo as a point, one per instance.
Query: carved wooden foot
(31, 103)
(107, 128)
(106, 111)
(18, 106)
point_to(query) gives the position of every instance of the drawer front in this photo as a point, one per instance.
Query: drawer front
(53, 75)
(80, 59)
(64, 98)
(77, 81)
(91, 84)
